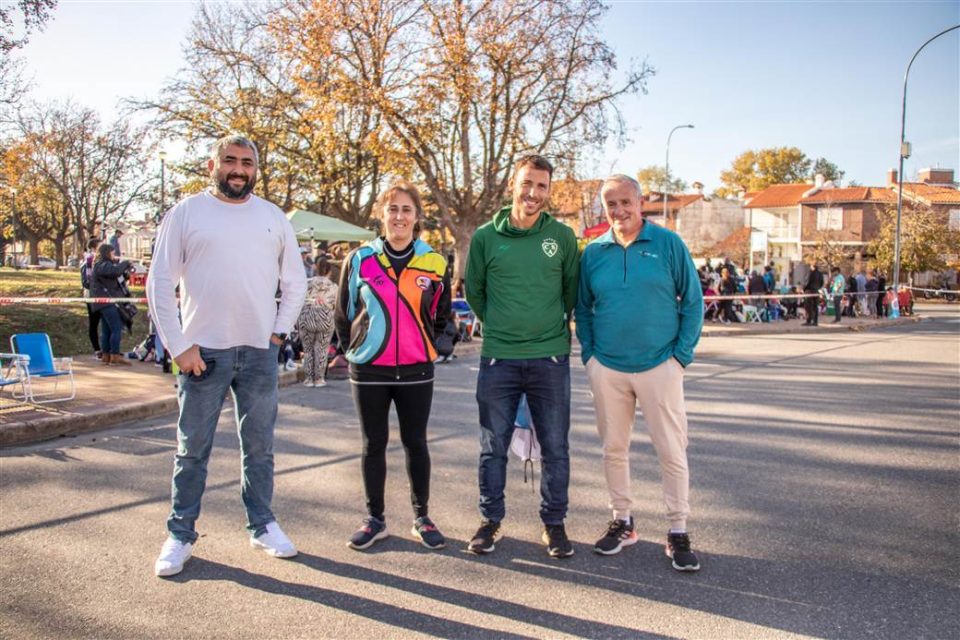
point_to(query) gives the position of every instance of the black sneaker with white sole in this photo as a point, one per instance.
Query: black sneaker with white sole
(427, 533)
(555, 537)
(619, 534)
(678, 549)
(369, 532)
(484, 539)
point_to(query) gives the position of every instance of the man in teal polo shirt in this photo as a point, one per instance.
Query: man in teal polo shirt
(639, 314)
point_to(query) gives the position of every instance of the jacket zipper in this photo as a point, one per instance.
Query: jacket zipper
(396, 334)
(624, 265)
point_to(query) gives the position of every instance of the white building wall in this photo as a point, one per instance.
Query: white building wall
(703, 223)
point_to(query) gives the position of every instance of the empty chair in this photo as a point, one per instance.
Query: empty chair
(42, 368)
(13, 372)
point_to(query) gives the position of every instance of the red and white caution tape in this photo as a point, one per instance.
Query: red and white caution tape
(4, 301)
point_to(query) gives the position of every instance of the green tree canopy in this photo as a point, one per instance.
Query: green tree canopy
(653, 177)
(757, 170)
(925, 239)
(827, 169)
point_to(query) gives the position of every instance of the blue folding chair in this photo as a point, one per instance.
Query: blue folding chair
(42, 366)
(13, 371)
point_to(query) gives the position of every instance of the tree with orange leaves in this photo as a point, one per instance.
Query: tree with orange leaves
(463, 88)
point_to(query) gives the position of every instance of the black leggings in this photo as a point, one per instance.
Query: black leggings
(412, 402)
(93, 327)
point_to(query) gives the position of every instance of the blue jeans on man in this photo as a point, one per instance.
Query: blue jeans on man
(250, 374)
(546, 383)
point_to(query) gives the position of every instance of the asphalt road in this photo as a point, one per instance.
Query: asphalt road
(825, 495)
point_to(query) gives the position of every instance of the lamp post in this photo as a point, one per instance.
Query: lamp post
(904, 154)
(666, 186)
(13, 213)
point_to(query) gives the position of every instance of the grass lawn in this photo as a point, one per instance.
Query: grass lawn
(65, 323)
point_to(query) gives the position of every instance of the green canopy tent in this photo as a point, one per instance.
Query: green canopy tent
(316, 226)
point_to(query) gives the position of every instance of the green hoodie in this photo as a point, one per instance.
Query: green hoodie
(522, 284)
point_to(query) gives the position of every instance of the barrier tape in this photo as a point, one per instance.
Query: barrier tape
(940, 291)
(4, 301)
(738, 296)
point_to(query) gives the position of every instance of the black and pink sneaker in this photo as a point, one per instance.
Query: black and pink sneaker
(427, 533)
(369, 532)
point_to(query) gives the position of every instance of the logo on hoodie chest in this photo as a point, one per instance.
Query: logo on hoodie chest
(550, 247)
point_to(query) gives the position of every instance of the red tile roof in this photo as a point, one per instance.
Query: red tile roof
(929, 193)
(653, 202)
(778, 195)
(850, 194)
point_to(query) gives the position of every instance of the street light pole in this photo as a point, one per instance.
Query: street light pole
(904, 154)
(13, 210)
(666, 186)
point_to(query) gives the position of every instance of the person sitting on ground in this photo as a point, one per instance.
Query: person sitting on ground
(105, 283)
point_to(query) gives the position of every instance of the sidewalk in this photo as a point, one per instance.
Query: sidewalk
(108, 396)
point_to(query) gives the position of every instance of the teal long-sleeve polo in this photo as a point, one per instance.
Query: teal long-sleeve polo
(639, 305)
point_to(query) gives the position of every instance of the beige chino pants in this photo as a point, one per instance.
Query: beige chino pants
(659, 393)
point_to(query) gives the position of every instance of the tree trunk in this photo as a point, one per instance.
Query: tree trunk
(58, 251)
(461, 249)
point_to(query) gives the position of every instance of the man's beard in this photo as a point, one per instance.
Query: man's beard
(224, 187)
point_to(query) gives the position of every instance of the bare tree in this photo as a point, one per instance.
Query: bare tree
(96, 172)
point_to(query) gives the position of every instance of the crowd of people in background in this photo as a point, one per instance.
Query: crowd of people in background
(764, 297)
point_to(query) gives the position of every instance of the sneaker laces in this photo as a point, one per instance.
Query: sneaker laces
(616, 528)
(680, 541)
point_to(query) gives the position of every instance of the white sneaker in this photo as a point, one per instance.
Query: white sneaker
(173, 554)
(309, 383)
(274, 542)
(290, 366)
(320, 383)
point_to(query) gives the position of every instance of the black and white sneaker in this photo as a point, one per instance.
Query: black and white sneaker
(484, 539)
(555, 537)
(619, 534)
(678, 549)
(369, 532)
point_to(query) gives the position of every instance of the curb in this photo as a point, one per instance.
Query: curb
(734, 333)
(39, 430)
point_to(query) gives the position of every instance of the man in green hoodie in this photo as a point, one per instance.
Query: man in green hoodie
(522, 283)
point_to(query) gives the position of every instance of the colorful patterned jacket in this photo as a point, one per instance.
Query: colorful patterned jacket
(385, 323)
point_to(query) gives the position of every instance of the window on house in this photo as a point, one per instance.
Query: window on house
(829, 219)
(954, 222)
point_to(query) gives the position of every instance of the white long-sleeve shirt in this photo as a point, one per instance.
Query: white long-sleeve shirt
(228, 260)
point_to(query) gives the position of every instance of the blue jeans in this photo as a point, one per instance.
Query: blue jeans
(250, 375)
(111, 328)
(546, 382)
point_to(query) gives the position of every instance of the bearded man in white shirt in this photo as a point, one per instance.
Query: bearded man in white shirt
(227, 250)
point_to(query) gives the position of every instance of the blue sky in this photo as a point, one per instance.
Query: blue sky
(823, 76)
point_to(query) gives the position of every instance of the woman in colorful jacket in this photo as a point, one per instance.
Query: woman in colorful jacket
(393, 300)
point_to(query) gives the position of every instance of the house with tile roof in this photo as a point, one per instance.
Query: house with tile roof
(774, 216)
(796, 217)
